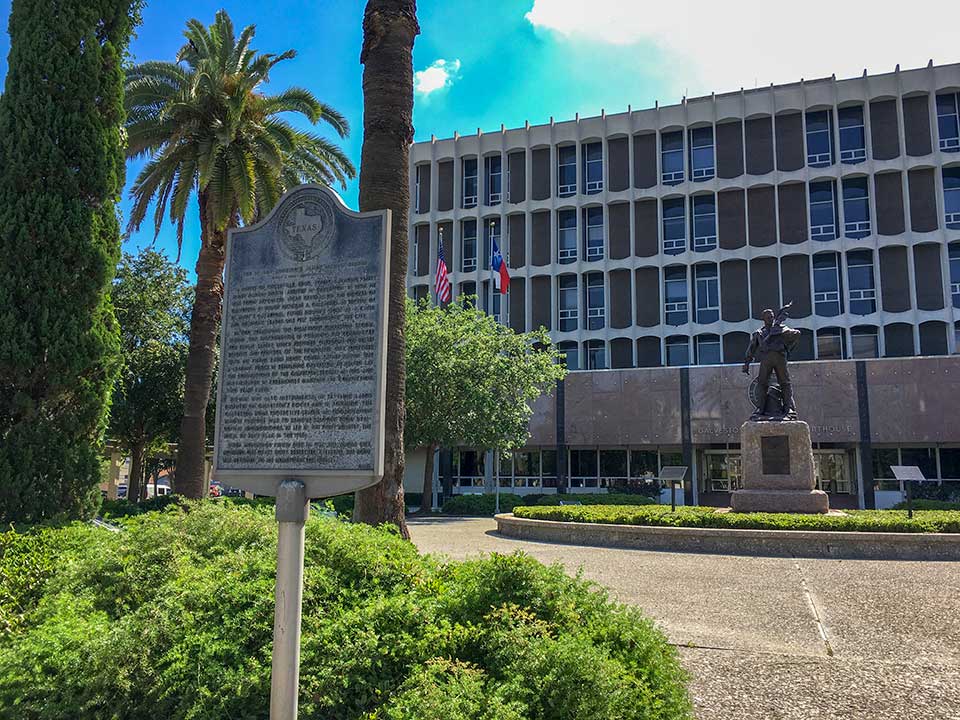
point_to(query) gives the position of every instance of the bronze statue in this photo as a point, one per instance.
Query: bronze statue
(770, 345)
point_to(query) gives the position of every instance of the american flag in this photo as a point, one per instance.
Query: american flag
(443, 282)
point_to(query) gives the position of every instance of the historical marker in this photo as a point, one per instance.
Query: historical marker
(302, 379)
(303, 346)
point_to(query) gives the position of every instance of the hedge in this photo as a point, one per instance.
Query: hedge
(172, 617)
(485, 504)
(922, 504)
(855, 521)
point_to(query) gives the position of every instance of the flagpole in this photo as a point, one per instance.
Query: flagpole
(493, 289)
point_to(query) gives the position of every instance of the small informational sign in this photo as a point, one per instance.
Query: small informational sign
(671, 475)
(775, 455)
(303, 348)
(907, 472)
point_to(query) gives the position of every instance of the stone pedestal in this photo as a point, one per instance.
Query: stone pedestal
(778, 470)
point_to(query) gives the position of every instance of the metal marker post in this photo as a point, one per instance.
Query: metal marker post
(496, 460)
(285, 679)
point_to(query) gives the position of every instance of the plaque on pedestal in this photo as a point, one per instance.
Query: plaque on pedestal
(303, 347)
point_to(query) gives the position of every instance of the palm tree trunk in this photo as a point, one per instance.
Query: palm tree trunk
(389, 29)
(201, 357)
(135, 483)
(426, 503)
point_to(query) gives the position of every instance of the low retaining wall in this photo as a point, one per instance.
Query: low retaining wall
(724, 541)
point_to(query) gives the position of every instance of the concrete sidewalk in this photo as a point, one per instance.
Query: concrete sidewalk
(771, 638)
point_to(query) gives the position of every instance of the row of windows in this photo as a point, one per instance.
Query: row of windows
(860, 342)
(720, 470)
(840, 283)
(690, 222)
(691, 154)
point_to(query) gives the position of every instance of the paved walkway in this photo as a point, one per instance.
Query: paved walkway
(772, 638)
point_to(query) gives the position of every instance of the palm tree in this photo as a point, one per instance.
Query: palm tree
(389, 29)
(208, 128)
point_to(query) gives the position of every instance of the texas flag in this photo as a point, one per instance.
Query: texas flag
(501, 278)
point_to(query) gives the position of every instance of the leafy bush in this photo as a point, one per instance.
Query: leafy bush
(854, 521)
(172, 618)
(920, 504)
(113, 509)
(485, 504)
(596, 499)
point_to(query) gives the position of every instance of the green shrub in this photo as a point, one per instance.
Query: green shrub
(854, 521)
(484, 504)
(595, 499)
(120, 508)
(172, 618)
(921, 504)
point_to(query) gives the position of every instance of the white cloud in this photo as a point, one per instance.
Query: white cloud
(440, 74)
(716, 46)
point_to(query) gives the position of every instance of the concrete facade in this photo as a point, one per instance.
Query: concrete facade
(649, 242)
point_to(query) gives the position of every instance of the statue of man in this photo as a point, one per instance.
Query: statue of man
(770, 345)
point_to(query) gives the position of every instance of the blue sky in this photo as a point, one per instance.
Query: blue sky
(481, 63)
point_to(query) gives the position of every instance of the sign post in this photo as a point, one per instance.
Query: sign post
(300, 399)
(674, 474)
(907, 474)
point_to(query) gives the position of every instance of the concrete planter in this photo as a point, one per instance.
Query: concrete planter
(723, 541)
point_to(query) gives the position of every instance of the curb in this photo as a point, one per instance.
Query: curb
(726, 541)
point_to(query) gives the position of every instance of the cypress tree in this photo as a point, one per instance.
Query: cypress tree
(61, 174)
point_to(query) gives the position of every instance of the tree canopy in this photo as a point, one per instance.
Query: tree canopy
(470, 380)
(152, 300)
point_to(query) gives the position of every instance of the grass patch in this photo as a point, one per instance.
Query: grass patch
(923, 521)
(173, 618)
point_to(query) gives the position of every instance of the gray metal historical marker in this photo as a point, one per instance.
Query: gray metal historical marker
(302, 378)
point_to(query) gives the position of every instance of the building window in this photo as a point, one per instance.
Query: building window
(566, 236)
(415, 251)
(701, 154)
(830, 344)
(674, 226)
(860, 280)
(568, 303)
(706, 293)
(722, 471)
(421, 171)
(494, 172)
(469, 290)
(823, 210)
(468, 242)
(830, 470)
(954, 254)
(826, 284)
(675, 295)
(947, 122)
(570, 354)
(613, 468)
(951, 197)
(567, 170)
(819, 138)
(856, 208)
(923, 457)
(593, 231)
(469, 468)
(853, 137)
(678, 351)
(956, 336)
(671, 158)
(704, 223)
(494, 303)
(583, 468)
(708, 350)
(595, 301)
(469, 182)
(865, 342)
(526, 469)
(596, 355)
(593, 167)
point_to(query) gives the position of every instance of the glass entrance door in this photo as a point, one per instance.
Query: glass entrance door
(833, 471)
(721, 471)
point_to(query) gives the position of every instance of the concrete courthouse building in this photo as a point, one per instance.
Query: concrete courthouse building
(648, 243)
